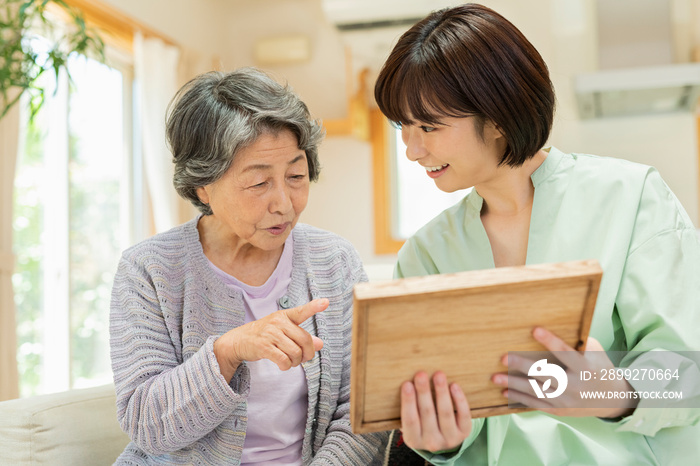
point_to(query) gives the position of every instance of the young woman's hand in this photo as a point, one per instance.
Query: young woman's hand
(276, 337)
(570, 403)
(433, 425)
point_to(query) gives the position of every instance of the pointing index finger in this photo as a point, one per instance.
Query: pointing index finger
(299, 314)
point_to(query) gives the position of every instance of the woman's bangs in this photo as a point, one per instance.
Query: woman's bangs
(420, 101)
(391, 98)
(408, 97)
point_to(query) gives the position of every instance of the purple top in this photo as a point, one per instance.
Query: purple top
(277, 402)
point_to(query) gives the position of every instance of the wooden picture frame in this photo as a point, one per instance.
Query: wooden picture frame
(462, 324)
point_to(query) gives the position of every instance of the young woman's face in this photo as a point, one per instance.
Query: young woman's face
(261, 196)
(452, 153)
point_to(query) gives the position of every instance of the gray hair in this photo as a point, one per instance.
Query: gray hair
(217, 114)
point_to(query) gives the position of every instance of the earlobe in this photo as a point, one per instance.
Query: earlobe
(203, 195)
(493, 131)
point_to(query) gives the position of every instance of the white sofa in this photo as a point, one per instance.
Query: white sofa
(77, 427)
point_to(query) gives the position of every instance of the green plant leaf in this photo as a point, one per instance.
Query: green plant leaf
(21, 65)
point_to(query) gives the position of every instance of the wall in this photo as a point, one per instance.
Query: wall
(320, 81)
(197, 26)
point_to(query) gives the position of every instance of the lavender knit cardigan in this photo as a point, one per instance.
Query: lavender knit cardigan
(167, 309)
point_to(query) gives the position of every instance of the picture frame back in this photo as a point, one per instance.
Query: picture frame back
(461, 324)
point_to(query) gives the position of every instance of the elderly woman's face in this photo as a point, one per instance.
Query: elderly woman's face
(260, 197)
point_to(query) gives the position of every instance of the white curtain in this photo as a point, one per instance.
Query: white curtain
(156, 68)
(9, 136)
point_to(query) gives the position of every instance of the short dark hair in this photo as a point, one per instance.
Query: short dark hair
(470, 61)
(216, 114)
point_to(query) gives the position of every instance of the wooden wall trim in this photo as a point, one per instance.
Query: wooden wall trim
(384, 242)
(116, 27)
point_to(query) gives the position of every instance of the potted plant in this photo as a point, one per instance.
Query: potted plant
(22, 63)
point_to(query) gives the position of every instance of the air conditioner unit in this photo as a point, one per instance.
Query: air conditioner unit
(631, 91)
(353, 15)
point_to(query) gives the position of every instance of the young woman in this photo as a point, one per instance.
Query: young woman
(475, 105)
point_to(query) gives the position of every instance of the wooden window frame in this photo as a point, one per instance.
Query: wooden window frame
(384, 240)
(115, 27)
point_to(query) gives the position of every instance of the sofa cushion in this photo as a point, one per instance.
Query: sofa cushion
(77, 427)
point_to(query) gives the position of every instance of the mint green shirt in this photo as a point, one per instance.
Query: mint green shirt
(623, 215)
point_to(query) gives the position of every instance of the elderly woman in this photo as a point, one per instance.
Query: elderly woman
(475, 105)
(230, 334)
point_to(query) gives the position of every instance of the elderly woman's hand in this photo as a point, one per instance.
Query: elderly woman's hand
(276, 337)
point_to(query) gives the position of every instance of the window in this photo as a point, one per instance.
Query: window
(73, 211)
(405, 197)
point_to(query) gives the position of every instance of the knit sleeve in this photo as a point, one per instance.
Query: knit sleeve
(163, 402)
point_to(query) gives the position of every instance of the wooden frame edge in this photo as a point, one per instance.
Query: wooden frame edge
(593, 277)
(357, 398)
